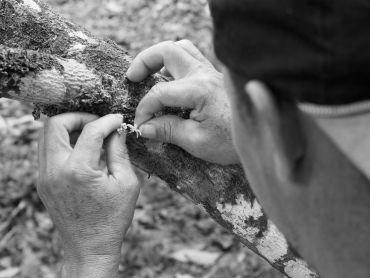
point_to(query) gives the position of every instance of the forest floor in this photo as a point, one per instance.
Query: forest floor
(169, 237)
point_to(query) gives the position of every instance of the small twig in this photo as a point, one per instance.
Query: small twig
(15, 212)
(6, 238)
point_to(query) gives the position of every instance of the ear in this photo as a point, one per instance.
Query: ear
(279, 124)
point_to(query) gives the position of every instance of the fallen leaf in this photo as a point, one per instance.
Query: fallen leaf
(199, 257)
(9, 273)
(178, 275)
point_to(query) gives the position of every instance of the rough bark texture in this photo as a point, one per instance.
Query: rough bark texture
(60, 67)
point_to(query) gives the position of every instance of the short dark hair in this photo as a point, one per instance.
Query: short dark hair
(308, 50)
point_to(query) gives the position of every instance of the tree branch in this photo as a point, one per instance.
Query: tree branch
(61, 67)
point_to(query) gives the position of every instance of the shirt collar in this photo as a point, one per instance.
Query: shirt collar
(334, 111)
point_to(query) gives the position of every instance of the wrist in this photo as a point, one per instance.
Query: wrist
(91, 266)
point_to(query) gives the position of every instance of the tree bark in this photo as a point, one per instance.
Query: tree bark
(61, 67)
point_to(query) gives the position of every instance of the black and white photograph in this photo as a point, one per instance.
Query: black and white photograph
(184, 139)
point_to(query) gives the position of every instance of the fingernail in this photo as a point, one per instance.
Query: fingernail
(120, 116)
(148, 131)
(128, 73)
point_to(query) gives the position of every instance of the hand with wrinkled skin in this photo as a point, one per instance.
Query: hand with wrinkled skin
(91, 203)
(197, 86)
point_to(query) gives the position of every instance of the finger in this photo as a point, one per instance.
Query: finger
(170, 129)
(177, 93)
(90, 143)
(41, 142)
(56, 140)
(118, 160)
(166, 54)
(189, 47)
(41, 152)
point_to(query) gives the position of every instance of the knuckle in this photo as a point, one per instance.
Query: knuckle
(200, 71)
(166, 47)
(198, 139)
(170, 48)
(186, 43)
(168, 132)
(155, 95)
(167, 44)
(140, 112)
(132, 185)
(155, 91)
(91, 131)
(211, 81)
(139, 57)
(133, 182)
(90, 127)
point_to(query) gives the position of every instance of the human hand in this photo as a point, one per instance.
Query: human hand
(197, 86)
(91, 203)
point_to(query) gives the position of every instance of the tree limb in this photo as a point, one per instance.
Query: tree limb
(61, 67)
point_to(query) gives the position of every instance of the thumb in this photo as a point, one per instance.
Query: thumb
(170, 129)
(118, 160)
(176, 93)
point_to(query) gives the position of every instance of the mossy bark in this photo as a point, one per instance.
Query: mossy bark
(61, 67)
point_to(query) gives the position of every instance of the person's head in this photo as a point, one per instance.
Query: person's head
(304, 135)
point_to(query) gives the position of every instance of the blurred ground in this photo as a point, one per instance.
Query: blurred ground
(169, 237)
